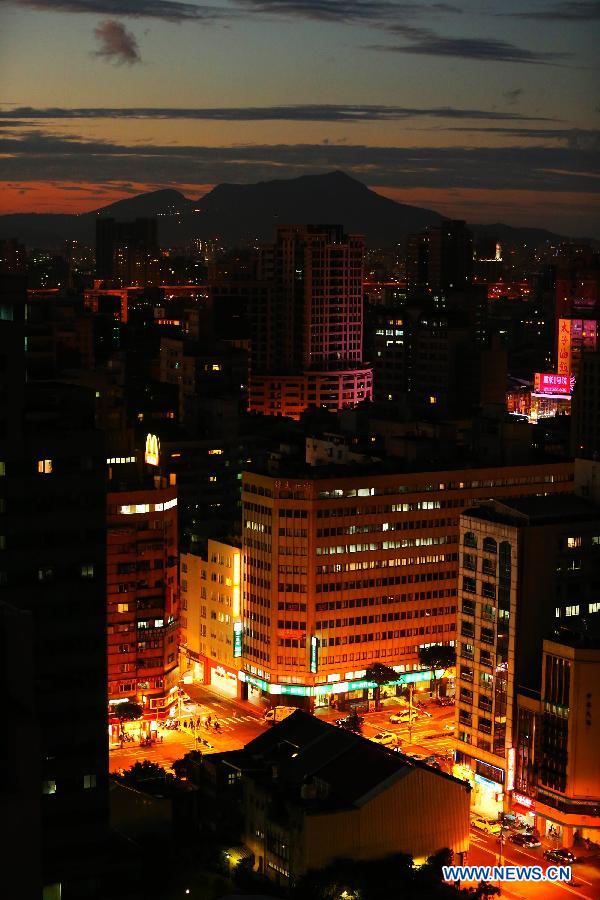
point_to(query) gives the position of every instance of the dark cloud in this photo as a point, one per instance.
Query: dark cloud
(177, 10)
(569, 167)
(513, 96)
(350, 11)
(300, 113)
(117, 43)
(170, 10)
(575, 138)
(426, 42)
(568, 11)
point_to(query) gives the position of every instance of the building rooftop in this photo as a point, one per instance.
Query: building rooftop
(323, 766)
(547, 510)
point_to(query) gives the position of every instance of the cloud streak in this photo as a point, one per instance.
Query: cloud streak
(346, 113)
(117, 44)
(426, 42)
(568, 11)
(537, 168)
(169, 10)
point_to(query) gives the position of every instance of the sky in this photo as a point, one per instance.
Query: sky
(484, 110)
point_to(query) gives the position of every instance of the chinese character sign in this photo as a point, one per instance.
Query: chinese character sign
(564, 346)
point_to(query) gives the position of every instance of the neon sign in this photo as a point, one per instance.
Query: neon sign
(564, 347)
(510, 769)
(152, 453)
(314, 654)
(549, 383)
(238, 630)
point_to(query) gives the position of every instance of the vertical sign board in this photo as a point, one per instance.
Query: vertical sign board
(564, 347)
(510, 769)
(314, 654)
(238, 629)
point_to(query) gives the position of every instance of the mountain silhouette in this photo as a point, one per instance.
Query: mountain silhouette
(246, 213)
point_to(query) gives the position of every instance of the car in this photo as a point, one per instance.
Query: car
(561, 855)
(485, 825)
(350, 721)
(522, 839)
(386, 738)
(404, 716)
(278, 714)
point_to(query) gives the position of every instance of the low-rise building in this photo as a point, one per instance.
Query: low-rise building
(313, 793)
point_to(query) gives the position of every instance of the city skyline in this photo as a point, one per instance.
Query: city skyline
(484, 114)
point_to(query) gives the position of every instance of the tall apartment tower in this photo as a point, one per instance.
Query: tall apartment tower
(143, 595)
(52, 564)
(127, 253)
(307, 332)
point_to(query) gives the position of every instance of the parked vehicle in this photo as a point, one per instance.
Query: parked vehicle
(278, 714)
(486, 826)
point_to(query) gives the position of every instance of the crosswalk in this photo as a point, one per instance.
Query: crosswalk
(227, 720)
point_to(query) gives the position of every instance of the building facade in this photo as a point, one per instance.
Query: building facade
(342, 571)
(211, 625)
(143, 597)
(307, 329)
(526, 567)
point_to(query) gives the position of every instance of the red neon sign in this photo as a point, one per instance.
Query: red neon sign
(549, 383)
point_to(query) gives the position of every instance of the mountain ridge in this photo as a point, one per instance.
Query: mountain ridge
(245, 213)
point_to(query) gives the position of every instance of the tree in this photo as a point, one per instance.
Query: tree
(147, 776)
(381, 675)
(437, 656)
(127, 712)
(189, 767)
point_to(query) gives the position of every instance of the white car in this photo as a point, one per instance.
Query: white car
(485, 825)
(404, 716)
(387, 738)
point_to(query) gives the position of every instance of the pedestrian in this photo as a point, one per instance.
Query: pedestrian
(208, 721)
(198, 722)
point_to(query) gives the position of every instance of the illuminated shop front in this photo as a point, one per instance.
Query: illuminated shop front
(487, 783)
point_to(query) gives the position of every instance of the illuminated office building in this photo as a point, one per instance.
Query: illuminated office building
(344, 570)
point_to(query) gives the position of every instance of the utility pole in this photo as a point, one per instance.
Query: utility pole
(410, 711)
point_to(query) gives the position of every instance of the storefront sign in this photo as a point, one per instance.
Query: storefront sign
(549, 383)
(238, 631)
(314, 654)
(510, 770)
(522, 800)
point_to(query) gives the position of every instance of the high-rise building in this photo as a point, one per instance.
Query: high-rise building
(127, 253)
(52, 565)
(441, 258)
(307, 329)
(142, 594)
(342, 569)
(526, 566)
(585, 409)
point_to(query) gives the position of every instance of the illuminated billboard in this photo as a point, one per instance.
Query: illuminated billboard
(564, 347)
(152, 454)
(551, 383)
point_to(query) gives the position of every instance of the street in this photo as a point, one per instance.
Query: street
(484, 851)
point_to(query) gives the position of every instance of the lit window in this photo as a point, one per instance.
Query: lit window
(595, 538)
(433, 400)
(122, 607)
(49, 787)
(572, 610)
(158, 623)
(44, 466)
(2, 468)
(89, 781)
(594, 607)
(573, 543)
(87, 571)
(46, 574)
